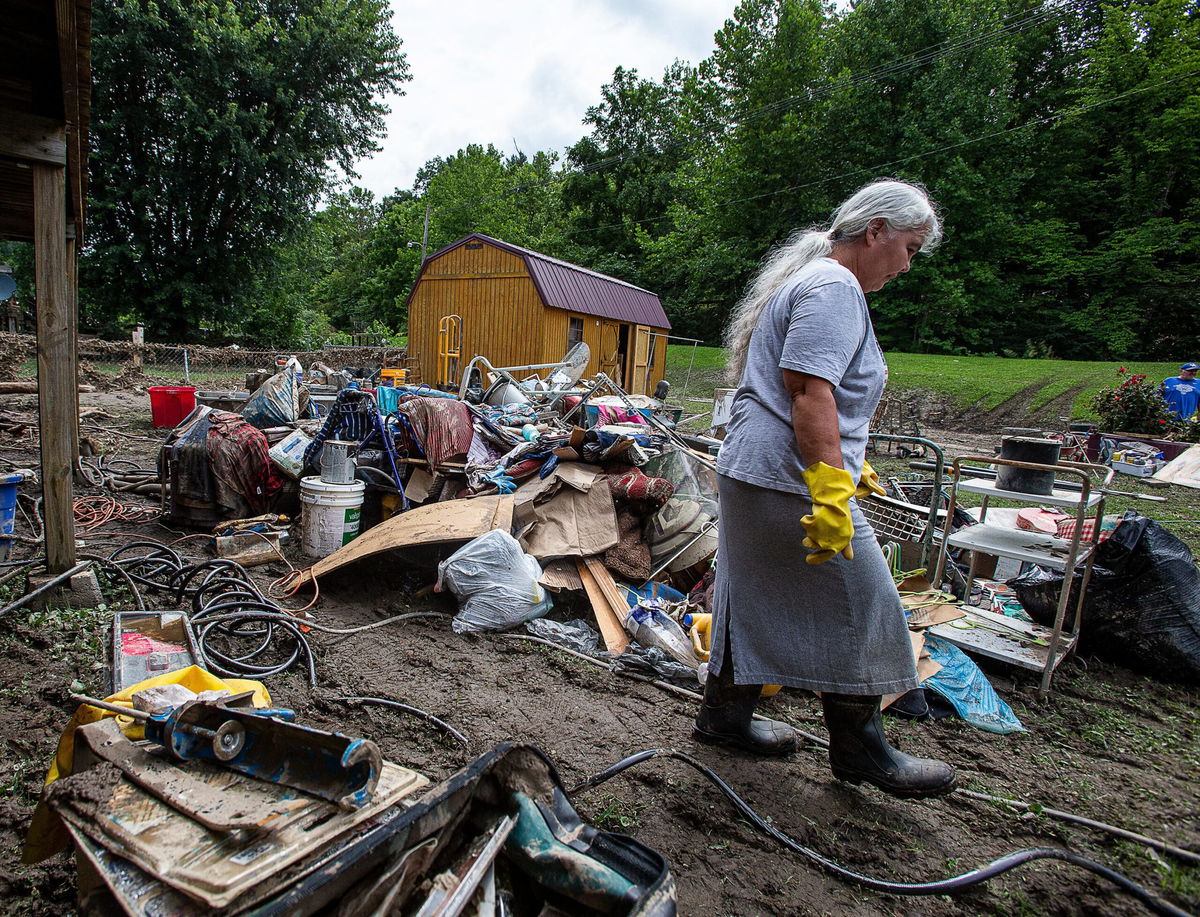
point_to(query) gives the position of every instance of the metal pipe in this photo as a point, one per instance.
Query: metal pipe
(989, 474)
(112, 708)
(78, 568)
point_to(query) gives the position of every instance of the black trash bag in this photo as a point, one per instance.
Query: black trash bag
(1142, 608)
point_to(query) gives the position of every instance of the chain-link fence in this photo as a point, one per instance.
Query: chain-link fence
(114, 365)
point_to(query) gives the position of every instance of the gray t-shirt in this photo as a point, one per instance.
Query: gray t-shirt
(817, 323)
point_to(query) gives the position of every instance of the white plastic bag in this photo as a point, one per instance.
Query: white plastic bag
(495, 582)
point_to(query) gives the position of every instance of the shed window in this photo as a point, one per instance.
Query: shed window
(574, 331)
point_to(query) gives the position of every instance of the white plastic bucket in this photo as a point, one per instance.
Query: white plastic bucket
(331, 515)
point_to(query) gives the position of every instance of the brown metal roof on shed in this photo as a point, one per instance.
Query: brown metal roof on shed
(568, 286)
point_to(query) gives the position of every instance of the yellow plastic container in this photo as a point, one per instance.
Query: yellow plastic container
(700, 633)
(393, 376)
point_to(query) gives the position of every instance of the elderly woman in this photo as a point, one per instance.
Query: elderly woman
(803, 596)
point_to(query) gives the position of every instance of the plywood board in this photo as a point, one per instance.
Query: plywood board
(438, 523)
(1184, 469)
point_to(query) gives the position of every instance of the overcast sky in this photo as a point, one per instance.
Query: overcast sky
(522, 73)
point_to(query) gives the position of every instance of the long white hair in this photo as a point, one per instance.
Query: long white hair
(899, 204)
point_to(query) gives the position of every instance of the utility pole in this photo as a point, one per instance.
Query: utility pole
(425, 235)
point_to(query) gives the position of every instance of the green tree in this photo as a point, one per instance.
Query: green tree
(479, 189)
(1112, 239)
(215, 128)
(754, 169)
(620, 180)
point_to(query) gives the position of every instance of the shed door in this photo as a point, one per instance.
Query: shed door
(610, 350)
(639, 379)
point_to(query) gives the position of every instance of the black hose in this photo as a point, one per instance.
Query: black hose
(227, 607)
(415, 711)
(377, 478)
(120, 571)
(232, 625)
(937, 887)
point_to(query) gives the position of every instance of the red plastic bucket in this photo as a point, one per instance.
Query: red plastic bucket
(169, 404)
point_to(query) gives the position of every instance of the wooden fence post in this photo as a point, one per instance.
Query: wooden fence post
(58, 372)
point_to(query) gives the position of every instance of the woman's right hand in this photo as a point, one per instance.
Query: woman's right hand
(829, 528)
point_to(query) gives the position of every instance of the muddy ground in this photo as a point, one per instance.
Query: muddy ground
(1107, 744)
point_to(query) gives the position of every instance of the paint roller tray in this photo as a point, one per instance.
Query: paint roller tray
(150, 643)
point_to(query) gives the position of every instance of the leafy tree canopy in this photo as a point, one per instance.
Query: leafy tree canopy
(215, 128)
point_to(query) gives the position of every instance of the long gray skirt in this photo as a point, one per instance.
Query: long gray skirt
(836, 626)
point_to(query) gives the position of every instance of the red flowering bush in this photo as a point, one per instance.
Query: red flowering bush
(1135, 405)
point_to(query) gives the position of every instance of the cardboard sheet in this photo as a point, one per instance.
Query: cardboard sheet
(925, 665)
(931, 614)
(420, 483)
(571, 512)
(560, 574)
(454, 520)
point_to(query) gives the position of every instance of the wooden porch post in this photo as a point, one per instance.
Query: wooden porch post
(57, 370)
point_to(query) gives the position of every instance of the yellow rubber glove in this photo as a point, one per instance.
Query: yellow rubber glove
(869, 483)
(829, 528)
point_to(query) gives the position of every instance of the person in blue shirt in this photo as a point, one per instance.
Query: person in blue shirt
(1182, 392)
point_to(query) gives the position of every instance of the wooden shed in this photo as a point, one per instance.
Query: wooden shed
(516, 307)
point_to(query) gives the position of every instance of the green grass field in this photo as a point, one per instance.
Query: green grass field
(962, 382)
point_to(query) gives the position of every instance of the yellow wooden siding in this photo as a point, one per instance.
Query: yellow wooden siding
(490, 290)
(503, 317)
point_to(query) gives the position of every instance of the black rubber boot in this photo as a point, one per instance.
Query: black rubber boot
(859, 751)
(727, 717)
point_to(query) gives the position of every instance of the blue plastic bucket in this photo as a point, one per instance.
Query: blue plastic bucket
(8, 510)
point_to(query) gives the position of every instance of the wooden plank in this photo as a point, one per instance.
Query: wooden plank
(73, 334)
(615, 639)
(57, 371)
(34, 139)
(608, 586)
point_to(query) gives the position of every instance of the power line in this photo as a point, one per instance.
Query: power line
(880, 167)
(928, 54)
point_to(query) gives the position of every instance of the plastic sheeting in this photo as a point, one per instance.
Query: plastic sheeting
(965, 686)
(495, 582)
(575, 635)
(1142, 608)
(277, 401)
